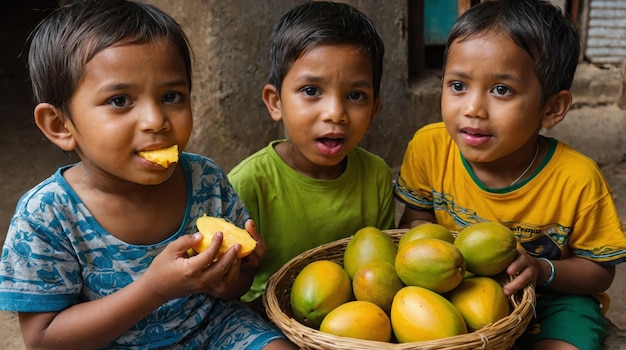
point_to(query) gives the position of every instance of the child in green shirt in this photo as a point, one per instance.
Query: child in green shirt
(317, 185)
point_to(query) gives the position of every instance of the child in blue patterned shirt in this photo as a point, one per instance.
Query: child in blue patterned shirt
(95, 255)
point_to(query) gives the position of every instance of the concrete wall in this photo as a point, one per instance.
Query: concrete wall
(231, 44)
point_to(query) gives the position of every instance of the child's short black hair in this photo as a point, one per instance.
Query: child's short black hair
(538, 27)
(323, 23)
(71, 36)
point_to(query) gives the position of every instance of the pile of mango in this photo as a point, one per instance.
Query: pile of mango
(430, 285)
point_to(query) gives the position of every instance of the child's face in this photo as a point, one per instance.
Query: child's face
(491, 98)
(327, 103)
(131, 98)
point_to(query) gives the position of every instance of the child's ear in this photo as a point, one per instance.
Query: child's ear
(556, 108)
(51, 122)
(271, 98)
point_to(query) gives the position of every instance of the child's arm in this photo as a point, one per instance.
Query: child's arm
(572, 275)
(94, 324)
(411, 217)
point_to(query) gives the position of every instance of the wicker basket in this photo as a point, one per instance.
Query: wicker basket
(498, 335)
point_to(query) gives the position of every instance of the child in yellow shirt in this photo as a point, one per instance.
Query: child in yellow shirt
(508, 69)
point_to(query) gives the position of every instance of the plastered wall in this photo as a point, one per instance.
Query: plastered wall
(231, 44)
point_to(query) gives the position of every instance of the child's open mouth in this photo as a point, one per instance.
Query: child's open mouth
(330, 146)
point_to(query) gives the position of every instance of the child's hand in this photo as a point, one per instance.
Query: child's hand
(525, 270)
(225, 279)
(253, 260)
(172, 274)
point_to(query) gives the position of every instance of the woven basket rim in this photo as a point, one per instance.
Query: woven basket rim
(498, 335)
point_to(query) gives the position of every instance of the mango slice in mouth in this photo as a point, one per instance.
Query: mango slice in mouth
(163, 157)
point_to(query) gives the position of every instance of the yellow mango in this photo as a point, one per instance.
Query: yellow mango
(358, 320)
(377, 282)
(368, 244)
(428, 230)
(320, 287)
(419, 314)
(163, 157)
(208, 226)
(488, 247)
(431, 263)
(480, 300)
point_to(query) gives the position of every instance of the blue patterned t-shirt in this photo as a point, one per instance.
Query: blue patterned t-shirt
(56, 255)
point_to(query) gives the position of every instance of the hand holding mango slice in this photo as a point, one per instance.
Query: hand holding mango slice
(164, 156)
(208, 226)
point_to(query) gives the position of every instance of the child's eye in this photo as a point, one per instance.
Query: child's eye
(120, 101)
(310, 91)
(172, 97)
(457, 86)
(356, 95)
(501, 90)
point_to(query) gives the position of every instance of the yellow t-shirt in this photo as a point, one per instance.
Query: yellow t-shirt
(565, 207)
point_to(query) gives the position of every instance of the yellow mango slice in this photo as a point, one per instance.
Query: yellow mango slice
(163, 157)
(208, 226)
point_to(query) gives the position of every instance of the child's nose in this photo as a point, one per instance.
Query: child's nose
(154, 118)
(475, 106)
(335, 111)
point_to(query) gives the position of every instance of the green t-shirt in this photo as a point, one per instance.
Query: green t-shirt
(294, 213)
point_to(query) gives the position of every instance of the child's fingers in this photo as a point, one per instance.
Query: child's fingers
(524, 271)
(216, 268)
(223, 264)
(208, 256)
(224, 274)
(259, 250)
(229, 264)
(250, 226)
(182, 245)
(232, 273)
